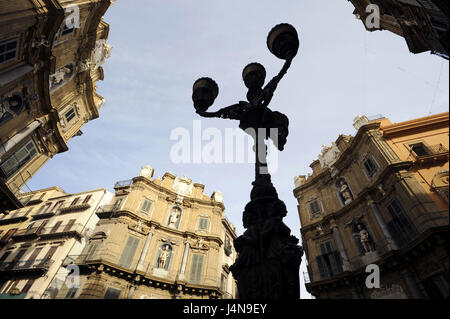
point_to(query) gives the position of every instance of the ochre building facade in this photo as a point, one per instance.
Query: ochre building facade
(380, 197)
(158, 239)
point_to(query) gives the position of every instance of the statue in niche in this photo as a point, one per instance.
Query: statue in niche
(164, 256)
(345, 192)
(174, 217)
(365, 239)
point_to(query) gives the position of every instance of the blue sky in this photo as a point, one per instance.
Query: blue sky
(161, 47)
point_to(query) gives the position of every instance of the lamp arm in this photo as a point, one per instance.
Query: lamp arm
(270, 88)
(233, 112)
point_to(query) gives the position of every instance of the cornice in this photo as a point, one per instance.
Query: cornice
(172, 193)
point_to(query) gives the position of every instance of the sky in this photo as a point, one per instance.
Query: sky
(161, 47)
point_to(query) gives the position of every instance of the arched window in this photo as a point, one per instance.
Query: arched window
(164, 257)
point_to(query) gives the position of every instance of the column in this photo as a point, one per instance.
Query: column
(183, 264)
(337, 237)
(141, 264)
(391, 243)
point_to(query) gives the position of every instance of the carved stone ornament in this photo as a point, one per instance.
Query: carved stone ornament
(183, 186)
(360, 121)
(147, 172)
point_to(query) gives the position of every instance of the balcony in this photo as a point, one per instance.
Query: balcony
(123, 184)
(67, 230)
(104, 210)
(44, 215)
(26, 233)
(69, 208)
(11, 219)
(36, 267)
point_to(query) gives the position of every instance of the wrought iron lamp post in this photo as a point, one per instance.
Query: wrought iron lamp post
(268, 263)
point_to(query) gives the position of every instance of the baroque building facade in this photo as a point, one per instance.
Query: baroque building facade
(380, 197)
(158, 239)
(423, 23)
(51, 54)
(36, 239)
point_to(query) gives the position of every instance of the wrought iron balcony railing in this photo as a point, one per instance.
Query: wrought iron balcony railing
(123, 183)
(51, 231)
(62, 230)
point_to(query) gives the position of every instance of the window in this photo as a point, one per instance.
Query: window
(315, 209)
(370, 167)
(129, 251)
(117, 204)
(8, 235)
(88, 197)
(69, 115)
(203, 223)
(196, 268)
(28, 285)
(75, 201)
(420, 149)
(8, 50)
(146, 204)
(401, 228)
(112, 293)
(19, 158)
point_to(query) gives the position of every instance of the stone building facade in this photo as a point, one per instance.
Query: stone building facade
(51, 54)
(36, 239)
(423, 23)
(379, 197)
(158, 239)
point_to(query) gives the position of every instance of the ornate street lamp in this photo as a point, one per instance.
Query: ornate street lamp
(269, 256)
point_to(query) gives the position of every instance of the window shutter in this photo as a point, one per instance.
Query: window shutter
(91, 251)
(55, 228)
(28, 285)
(112, 293)
(196, 268)
(69, 225)
(4, 256)
(71, 293)
(129, 251)
(75, 201)
(32, 258)
(8, 235)
(146, 206)
(87, 199)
